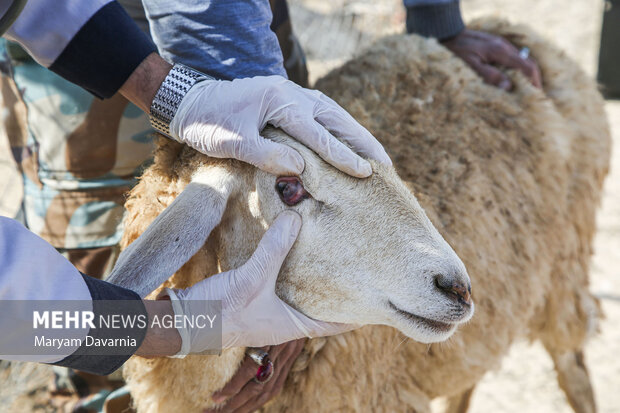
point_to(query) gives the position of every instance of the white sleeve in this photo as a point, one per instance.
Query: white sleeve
(31, 269)
(45, 27)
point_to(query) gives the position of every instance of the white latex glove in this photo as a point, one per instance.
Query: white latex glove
(223, 119)
(252, 313)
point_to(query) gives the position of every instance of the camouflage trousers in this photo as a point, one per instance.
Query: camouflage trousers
(78, 155)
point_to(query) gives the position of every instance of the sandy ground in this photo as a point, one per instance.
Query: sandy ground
(332, 32)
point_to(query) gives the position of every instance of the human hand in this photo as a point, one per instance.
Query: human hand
(484, 52)
(223, 119)
(252, 313)
(243, 394)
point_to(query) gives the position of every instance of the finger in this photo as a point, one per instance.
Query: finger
(276, 351)
(272, 388)
(254, 395)
(315, 328)
(316, 137)
(340, 123)
(507, 55)
(265, 263)
(491, 74)
(245, 373)
(290, 347)
(285, 366)
(249, 393)
(272, 157)
(296, 349)
(536, 75)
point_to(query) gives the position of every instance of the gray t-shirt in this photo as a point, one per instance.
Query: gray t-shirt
(226, 39)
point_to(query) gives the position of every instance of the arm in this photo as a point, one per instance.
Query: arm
(93, 44)
(97, 46)
(484, 52)
(226, 39)
(251, 314)
(32, 271)
(232, 39)
(434, 18)
(159, 341)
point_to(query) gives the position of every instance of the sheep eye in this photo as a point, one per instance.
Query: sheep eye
(291, 190)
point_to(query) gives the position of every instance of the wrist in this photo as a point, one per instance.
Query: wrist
(145, 81)
(159, 340)
(172, 296)
(169, 96)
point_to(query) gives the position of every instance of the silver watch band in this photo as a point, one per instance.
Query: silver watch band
(179, 81)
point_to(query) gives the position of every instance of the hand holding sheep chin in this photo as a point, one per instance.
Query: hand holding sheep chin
(223, 119)
(252, 313)
(484, 51)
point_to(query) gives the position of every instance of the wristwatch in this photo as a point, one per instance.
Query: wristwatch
(173, 89)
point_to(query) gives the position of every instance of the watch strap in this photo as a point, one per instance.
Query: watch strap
(173, 89)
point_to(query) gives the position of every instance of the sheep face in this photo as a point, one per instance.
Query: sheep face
(366, 252)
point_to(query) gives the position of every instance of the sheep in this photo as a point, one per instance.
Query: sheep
(511, 180)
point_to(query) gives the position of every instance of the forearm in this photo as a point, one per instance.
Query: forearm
(142, 85)
(31, 270)
(226, 39)
(434, 18)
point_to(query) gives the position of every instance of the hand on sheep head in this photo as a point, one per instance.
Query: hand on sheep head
(223, 119)
(252, 313)
(484, 52)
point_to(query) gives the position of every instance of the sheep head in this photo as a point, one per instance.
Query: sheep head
(366, 252)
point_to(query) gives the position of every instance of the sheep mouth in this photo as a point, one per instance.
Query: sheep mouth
(434, 325)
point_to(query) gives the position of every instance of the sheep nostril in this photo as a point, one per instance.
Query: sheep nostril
(453, 288)
(463, 293)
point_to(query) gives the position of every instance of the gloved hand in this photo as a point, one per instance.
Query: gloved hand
(223, 119)
(252, 313)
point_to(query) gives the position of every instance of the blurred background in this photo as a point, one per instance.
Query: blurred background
(333, 31)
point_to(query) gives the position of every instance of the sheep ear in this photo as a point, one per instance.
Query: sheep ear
(175, 235)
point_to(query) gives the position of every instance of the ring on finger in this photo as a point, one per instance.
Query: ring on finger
(264, 373)
(524, 53)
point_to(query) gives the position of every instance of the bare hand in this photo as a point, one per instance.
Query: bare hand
(484, 52)
(243, 395)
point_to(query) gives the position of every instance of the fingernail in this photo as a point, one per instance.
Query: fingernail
(294, 220)
(217, 398)
(296, 161)
(505, 84)
(365, 169)
(386, 159)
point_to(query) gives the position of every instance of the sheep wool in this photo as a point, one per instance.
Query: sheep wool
(511, 180)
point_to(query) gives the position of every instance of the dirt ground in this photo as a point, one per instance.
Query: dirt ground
(333, 31)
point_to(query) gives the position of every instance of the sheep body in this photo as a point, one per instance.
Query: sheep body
(512, 182)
